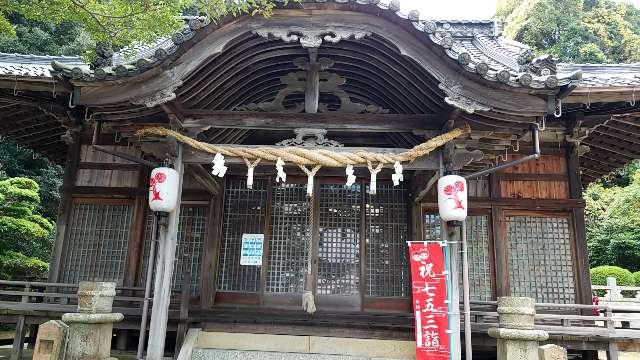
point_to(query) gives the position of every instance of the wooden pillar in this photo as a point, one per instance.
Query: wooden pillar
(499, 241)
(164, 272)
(65, 207)
(136, 239)
(581, 255)
(211, 249)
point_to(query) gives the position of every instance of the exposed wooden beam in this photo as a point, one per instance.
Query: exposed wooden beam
(204, 178)
(608, 148)
(617, 135)
(329, 121)
(427, 187)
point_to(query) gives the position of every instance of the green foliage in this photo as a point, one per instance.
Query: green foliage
(20, 162)
(636, 277)
(21, 229)
(16, 266)
(117, 22)
(582, 31)
(600, 274)
(45, 38)
(613, 224)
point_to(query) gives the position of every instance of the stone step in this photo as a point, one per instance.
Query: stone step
(206, 354)
(246, 346)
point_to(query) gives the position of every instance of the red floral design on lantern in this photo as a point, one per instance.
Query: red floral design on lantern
(453, 190)
(153, 182)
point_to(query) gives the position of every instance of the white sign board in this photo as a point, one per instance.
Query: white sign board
(251, 252)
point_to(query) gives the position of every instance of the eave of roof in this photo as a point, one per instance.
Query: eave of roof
(475, 44)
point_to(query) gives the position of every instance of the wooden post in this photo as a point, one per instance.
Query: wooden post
(18, 340)
(451, 234)
(64, 209)
(581, 255)
(210, 252)
(163, 274)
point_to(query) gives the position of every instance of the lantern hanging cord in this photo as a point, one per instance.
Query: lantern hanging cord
(304, 156)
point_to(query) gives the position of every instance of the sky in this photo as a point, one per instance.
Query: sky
(458, 9)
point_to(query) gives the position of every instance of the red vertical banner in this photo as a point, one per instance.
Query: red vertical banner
(430, 305)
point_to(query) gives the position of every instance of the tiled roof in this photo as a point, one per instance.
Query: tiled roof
(475, 44)
(34, 65)
(604, 75)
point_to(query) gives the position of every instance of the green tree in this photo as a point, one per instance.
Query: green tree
(119, 22)
(25, 236)
(16, 161)
(45, 38)
(582, 31)
(613, 224)
(22, 229)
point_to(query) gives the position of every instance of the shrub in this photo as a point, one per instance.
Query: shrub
(600, 274)
(636, 276)
(16, 266)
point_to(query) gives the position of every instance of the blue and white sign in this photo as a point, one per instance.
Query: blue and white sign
(251, 252)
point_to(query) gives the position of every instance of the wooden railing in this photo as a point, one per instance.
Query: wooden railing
(26, 304)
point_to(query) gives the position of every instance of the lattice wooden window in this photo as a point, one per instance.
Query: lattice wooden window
(339, 240)
(95, 248)
(288, 240)
(478, 256)
(244, 212)
(386, 234)
(540, 260)
(191, 233)
(478, 253)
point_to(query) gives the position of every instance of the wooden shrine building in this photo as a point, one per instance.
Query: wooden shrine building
(333, 75)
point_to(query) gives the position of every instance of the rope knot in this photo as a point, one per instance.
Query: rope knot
(250, 167)
(310, 175)
(374, 176)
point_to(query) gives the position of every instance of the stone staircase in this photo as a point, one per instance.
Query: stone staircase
(203, 345)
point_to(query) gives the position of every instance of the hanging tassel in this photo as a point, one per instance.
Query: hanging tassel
(308, 302)
(281, 174)
(218, 166)
(397, 177)
(310, 175)
(250, 167)
(374, 176)
(351, 179)
(308, 298)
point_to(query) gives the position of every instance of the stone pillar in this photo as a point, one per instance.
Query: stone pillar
(517, 338)
(90, 330)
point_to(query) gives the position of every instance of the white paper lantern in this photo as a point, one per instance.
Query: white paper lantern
(163, 189)
(452, 198)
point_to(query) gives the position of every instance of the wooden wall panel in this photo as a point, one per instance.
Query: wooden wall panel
(99, 169)
(545, 178)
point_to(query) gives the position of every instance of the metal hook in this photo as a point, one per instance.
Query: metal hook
(589, 98)
(516, 147)
(542, 125)
(53, 92)
(633, 97)
(117, 138)
(558, 111)
(71, 105)
(15, 86)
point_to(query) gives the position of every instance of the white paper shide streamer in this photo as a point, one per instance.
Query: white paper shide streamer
(282, 176)
(351, 179)
(397, 178)
(250, 167)
(218, 166)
